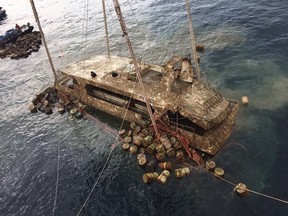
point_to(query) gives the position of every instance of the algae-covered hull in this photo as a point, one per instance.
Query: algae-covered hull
(189, 105)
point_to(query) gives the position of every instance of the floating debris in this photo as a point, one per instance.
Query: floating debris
(200, 47)
(3, 14)
(245, 100)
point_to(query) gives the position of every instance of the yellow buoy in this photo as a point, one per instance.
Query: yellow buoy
(219, 171)
(210, 165)
(240, 189)
(125, 146)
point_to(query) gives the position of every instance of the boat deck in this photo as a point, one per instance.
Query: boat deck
(101, 65)
(124, 81)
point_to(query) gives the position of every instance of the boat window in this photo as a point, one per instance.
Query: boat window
(182, 122)
(117, 99)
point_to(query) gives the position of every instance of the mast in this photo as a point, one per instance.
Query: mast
(106, 29)
(43, 38)
(125, 34)
(192, 39)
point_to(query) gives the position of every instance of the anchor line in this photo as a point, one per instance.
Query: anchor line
(235, 185)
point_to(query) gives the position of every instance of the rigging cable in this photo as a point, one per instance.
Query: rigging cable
(109, 156)
(85, 29)
(106, 27)
(192, 39)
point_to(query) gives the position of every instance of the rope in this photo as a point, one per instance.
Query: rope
(233, 184)
(57, 177)
(110, 153)
(44, 40)
(106, 28)
(100, 175)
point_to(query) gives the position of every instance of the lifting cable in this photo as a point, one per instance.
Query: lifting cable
(57, 176)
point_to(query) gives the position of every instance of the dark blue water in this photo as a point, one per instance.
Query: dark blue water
(246, 54)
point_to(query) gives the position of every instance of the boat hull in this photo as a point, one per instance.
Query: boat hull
(208, 117)
(210, 142)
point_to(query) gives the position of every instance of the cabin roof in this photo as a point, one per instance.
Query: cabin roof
(104, 67)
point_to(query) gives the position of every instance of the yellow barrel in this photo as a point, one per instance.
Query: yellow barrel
(133, 125)
(32, 108)
(162, 178)
(73, 111)
(128, 139)
(147, 140)
(180, 156)
(166, 173)
(133, 149)
(142, 161)
(171, 153)
(165, 165)
(121, 132)
(160, 148)
(151, 148)
(141, 155)
(129, 133)
(177, 146)
(160, 156)
(137, 129)
(125, 146)
(137, 140)
(181, 172)
(145, 132)
(165, 142)
(149, 177)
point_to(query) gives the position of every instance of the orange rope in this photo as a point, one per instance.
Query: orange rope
(164, 129)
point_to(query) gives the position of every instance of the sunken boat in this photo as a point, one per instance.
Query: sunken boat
(171, 95)
(189, 105)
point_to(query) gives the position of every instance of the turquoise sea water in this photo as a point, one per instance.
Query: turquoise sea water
(246, 54)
